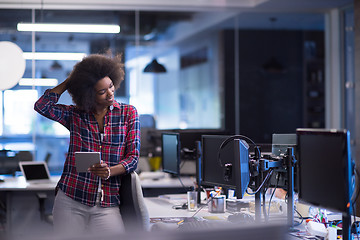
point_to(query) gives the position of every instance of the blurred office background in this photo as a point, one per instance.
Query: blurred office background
(241, 67)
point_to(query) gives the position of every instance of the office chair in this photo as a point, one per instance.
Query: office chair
(24, 156)
(132, 206)
(147, 121)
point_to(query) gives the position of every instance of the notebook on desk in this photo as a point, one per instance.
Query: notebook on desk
(35, 172)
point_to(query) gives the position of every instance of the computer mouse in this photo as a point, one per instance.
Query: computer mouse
(240, 217)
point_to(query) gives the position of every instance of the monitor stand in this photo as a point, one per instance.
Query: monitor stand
(290, 163)
(346, 226)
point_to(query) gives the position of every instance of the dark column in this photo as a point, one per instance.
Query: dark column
(357, 87)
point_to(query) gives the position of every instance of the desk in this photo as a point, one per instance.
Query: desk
(27, 205)
(165, 185)
(162, 207)
(24, 218)
(20, 184)
(22, 201)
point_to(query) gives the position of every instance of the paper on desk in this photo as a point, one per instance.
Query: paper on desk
(175, 198)
(172, 219)
(221, 217)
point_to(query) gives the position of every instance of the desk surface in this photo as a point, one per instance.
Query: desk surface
(163, 206)
(161, 209)
(167, 182)
(158, 207)
(19, 183)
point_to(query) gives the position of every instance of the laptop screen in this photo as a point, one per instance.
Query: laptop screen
(34, 170)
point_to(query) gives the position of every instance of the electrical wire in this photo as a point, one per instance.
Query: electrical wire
(272, 195)
(354, 221)
(181, 164)
(262, 184)
(287, 202)
(226, 141)
(357, 187)
(181, 206)
(338, 222)
(266, 216)
(182, 184)
(301, 217)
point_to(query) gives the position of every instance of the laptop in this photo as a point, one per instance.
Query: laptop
(35, 172)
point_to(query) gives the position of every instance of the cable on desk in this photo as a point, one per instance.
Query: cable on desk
(181, 164)
(180, 206)
(300, 216)
(266, 188)
(355, 223)
(268, 175)
(272, 194)
(266, 215)
(182, 184)
(357, 189)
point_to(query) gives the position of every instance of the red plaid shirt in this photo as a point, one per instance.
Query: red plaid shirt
(121, 144)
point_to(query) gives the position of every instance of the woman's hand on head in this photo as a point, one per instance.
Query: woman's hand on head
(61, 88)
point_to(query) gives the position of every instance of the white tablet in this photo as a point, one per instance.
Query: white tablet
(83, 160)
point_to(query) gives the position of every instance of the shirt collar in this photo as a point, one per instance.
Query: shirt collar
(115, 105)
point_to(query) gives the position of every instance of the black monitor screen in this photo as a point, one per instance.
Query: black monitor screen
(324, 168)
(35, 171)
(189, 137)
(170, 152)
(213, 167)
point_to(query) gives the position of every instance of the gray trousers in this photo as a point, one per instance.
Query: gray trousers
(72, 218)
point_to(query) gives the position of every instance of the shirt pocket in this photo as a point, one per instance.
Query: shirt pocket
(118, 134)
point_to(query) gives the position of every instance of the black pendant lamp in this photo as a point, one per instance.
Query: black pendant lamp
(154, 67)
(273, 65)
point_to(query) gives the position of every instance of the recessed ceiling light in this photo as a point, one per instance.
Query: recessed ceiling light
(53, 56)
(79, 28)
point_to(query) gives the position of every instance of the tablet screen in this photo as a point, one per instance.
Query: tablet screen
(83, 160)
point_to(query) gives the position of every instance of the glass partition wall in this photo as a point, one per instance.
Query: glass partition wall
(186, 94)
(243, 73)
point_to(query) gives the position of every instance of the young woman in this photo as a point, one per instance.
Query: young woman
(97, 123)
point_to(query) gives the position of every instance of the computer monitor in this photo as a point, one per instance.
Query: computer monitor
(170, 145)
(188, 137)
(325, 168)
(280, 144)
(229, 168)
